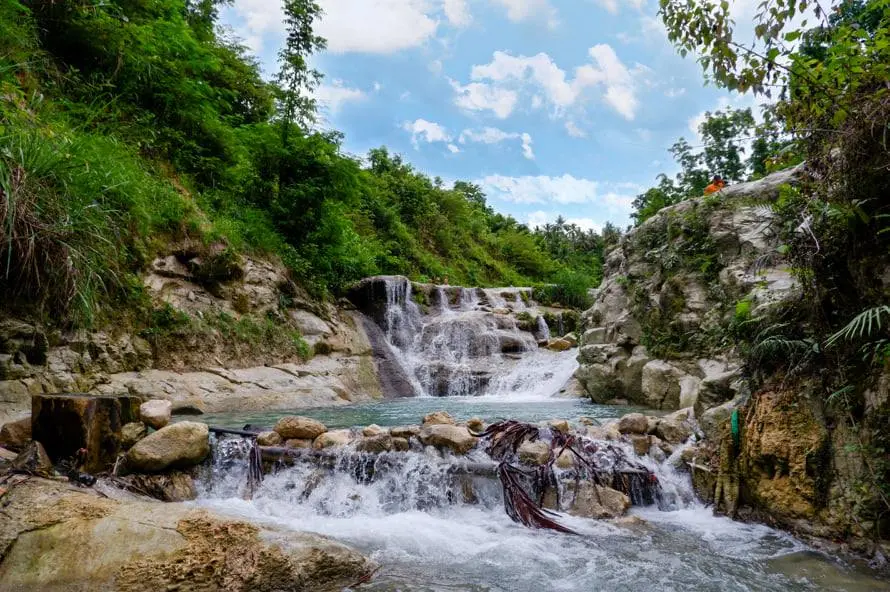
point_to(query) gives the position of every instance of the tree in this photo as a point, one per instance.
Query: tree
(296, 79)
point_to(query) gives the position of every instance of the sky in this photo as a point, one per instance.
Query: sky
(554, 107)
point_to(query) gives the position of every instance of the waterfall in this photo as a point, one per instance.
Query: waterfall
(543, 328)
(462, 350)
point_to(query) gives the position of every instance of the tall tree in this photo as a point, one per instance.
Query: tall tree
(296, 79)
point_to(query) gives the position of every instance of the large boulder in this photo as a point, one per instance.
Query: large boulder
(294, 426)
(633, 423)
(177, 446)
(404, 431)
(661, 384)
(156, 413)
(456, 439)
(333, 438)
(588, 500)
(675, 428)
(269, 438)
(534, 453)
(56, 538)
(15, 435)
(438, 418)
(33, 460)
(375, 444)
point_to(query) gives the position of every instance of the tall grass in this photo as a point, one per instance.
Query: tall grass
(73, 211)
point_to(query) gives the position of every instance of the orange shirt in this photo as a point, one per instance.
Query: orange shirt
(714, 187)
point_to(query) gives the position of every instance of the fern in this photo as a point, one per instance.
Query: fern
(865, 324)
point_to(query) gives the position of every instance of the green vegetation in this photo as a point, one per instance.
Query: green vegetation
(831, 82)
(130, 126)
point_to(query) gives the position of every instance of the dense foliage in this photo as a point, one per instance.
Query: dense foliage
(130, 125)
(831, 85)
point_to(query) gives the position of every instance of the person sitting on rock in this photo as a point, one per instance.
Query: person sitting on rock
(717, 183)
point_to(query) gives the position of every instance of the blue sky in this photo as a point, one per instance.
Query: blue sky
(553, 106)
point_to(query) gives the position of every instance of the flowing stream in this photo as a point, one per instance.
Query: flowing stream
(434, 525)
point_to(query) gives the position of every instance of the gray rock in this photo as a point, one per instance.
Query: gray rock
(534, 453)
(15, 435)
(295, 426)
(333, 439)
(456, 439)
(176, 446)
(661, 384)
(633, 423)
(270, 438)
(131, 433)
(156, 413)
(375, 444)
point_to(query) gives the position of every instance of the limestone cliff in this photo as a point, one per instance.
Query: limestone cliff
(690, 301)
(224, 333)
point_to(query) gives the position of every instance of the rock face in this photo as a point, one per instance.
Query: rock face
(296, 427)
(672, 287)
(456, 439)
(156, 413)
(56, 538)
(65, 424)
(177, 446)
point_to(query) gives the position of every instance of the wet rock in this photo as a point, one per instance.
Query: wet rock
(674, 428)
(566, 460)
(438, 418)
(176, 446)
(457, 439)
(595, 501)
(559, 425)
(571, 338)
(372, 430)
(67, 423)
(156, 413)
(269, 438)
(606, 432)
(375, 444)
(559, 345)
(131, 433)
(633, 423)
(15, 435)
(299, 443)
(534, 453)
(401, 444)
(333, 438)
(295, 426)
(58, 539)
(640, 443)
(475, 424)
(167, 487)
(33, 460)
(404, 431)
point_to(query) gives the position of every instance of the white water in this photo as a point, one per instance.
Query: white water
(414, 520)
(461, 350)
(432, 530)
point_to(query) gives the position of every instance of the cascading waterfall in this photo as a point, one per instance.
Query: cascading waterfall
(543, 328)
(437, 522)
(465, 349)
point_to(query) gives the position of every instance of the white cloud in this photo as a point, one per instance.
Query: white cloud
(541, 189)
(574, 130)
(458, 13)
(453, 149)
(478, 96)
(375, 26)
(539, 218)
(368, 26)
(493, 135)
(427, 131)
(377, 86)
(521, 10)
(673, 93)
(333, 96)
(496, 86)
(607, 200)
(614, 5)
